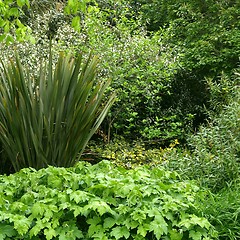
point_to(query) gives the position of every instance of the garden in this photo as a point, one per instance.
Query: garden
(120, 119)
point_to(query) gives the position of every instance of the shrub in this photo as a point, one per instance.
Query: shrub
(205, 37)
(49, 119)
(214, 156)
(99, 202)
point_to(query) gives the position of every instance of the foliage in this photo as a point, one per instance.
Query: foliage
(141, 77)
(10, 12)
(214, 151)
(99, 202)
(222, 210)
(48, 120)
(166, 73)
(205, 35)
(15, 16)
(129, 155)
(162, 88)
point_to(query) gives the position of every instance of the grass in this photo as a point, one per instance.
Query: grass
(223, 211)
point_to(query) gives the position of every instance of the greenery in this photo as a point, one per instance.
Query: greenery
(100, 202)
(165, 157)
(166, 70)
(48, 120)
(129, 155)
(222, 210)
(10, 20)
(213, 157)
(205, 36)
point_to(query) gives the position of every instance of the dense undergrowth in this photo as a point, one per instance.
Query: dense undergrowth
(165, 161)
(100, 202)
(165, 76)
(211, 158)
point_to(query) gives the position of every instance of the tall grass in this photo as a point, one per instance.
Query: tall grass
(223, 211)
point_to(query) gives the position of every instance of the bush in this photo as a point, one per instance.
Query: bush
(214, 156)
(99, 202)
(205, 37)
(49, 119)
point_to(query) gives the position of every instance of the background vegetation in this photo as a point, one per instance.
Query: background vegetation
(175, 68)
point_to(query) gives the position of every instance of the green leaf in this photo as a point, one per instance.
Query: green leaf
(79, 196)
(143, 229)
(19, 206)
(77, 210)
(21, 224)
(100, 236)
(138, 215)
(13, 12)
(94, 221)
(69, 230)
(2, 37)
(158, 226)
(76, 23)
(202, 222)
(50, 233)
(195, 235)
(6, 231)
(95, 227)
(9, 39)
(190, 220)
(175, 235)
(54, 181)
(38, 209)
(109, 222)
(98, 205)
(119, 232)
(50, 211)
(37, 228)
(21, 3)
(19, 24)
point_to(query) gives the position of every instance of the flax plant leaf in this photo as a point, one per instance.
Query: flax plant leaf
(49, 119)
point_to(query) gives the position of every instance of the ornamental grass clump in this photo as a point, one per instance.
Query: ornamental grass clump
(49, 119)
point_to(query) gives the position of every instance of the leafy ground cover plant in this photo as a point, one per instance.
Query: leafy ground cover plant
(49, 118)
(100, 201)
(129, 155)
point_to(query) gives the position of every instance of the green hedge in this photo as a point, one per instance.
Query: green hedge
(99, 202)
